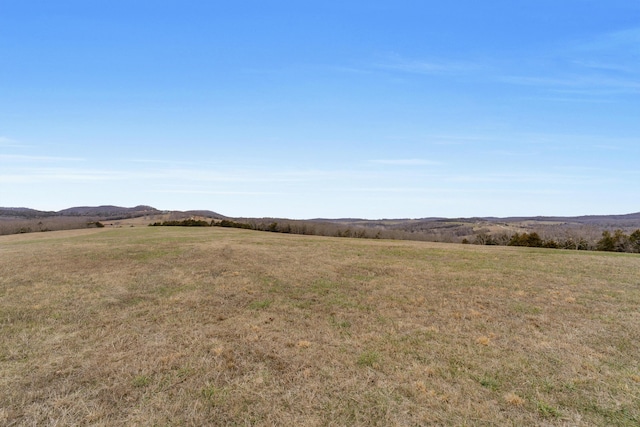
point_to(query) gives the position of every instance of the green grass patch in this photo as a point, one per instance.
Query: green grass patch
(369, 358)
(260, 305)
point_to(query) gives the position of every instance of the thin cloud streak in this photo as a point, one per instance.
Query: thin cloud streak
(602, 65)
(627, 41)
(605, 65)
(9, 143)
(25, 158)
(444, 190)
(419, 66)
(406, 162)
(49, 175)
(614, 86)
(222, 193)
(53, 174)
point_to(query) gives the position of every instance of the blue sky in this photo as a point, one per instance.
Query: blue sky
(304, 109)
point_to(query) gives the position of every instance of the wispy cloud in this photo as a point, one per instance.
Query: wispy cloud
(602, 65)
(25, 158)
(9, 143)
(398, 190)
(160, 161)
(580, 84)
(427, 66)
(222, 193)
(196, 176)
(405, 162)
(349, 69)
(50, 175)
(608, 147)
(598, 68)
(448, 191)
(626, 41)
(455, 139)
(586, 98)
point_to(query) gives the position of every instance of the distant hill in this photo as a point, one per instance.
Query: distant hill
(109, 211)
(587, 227)
(25, 213)
(602, 221)
(208, 214)
(584, 219)
(105, 212)
(112, 212)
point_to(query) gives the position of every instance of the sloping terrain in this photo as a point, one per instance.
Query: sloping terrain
(25, 220)
(451, 230)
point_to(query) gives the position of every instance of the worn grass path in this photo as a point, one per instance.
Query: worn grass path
(210, 326)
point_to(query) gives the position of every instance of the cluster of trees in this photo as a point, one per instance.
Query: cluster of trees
(184, 223)
(231, 224)
(617, 241)
(19, 225)
(289, 227)
(297, 227)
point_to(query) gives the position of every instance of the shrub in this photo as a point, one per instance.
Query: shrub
(531, 240)
(618, 242)
(634, 241)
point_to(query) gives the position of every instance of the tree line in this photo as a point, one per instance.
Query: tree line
(20, 225)
(288, 227)
(616, 241)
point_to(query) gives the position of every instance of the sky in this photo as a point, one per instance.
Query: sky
(308, 109)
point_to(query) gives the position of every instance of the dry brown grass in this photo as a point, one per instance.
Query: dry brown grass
(208, 326)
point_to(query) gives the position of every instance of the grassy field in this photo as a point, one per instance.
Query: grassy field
(210, 326)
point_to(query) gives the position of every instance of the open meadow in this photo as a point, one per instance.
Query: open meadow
(215, 326)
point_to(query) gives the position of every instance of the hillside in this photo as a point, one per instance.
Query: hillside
(581, 232)
(215, 326)
(109, 212)
(24, 213)
(88, 211)
(25, 220)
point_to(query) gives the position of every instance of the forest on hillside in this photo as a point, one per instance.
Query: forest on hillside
(617, 233)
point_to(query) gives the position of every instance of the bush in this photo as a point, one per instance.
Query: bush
(634, 241)
(531, 240)
(618, 242)
(231, 224)
(183, 223)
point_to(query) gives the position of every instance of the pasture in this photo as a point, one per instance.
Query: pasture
(212, 326)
